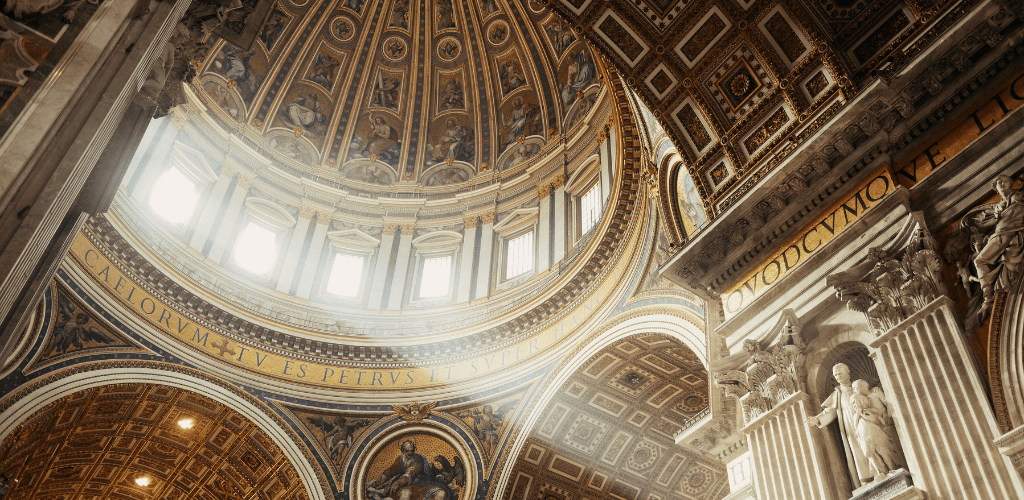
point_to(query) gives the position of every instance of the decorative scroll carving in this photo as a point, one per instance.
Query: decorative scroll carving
(893, 283)
(761, 378)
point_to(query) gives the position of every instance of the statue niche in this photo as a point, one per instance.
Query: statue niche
(865, 423)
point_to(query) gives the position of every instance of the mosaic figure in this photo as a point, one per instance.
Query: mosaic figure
(304, 113)
(582, 73)
(511, 76)
(325, 68)
(455, 144)
(400, 15)
(410, 477)
(73, 329)
(386, 92)
(380, 142)
(522, 121)
(451, 95)
(445, 15)
(338, 434)
(273, 29)
(561, 38)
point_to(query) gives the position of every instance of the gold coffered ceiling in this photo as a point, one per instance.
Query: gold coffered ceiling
(737, 84)
(95, 443)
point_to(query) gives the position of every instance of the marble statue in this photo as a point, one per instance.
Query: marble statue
(869, 437)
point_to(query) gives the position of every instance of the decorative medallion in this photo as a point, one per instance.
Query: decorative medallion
(395, 48)
(738, 84)
(343, 28)
(449, 48)
(497, 34)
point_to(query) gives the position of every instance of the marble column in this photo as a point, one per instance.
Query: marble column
(559, 237)
(483, 271)
(400, 278)
(226, 226)
(293, 252)
(379, 280)
(790, 458)
(316, 247)
(210, 209)
(466, 260)
(946, 426)
(544, 236)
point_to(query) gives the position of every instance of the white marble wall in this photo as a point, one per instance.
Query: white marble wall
(791, 459)
(942, 413)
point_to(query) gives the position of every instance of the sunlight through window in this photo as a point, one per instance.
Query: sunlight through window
(520, 255)
(256, 249)
(590, 209)
(346, 275)
(436, 275)
(174, 196)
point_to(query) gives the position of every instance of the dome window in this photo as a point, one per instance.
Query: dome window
(436, 280)
(256, 249)
(436, 254)
(590, 208)
(519, 255)
(346, 275)
(174, 197)
(258, 243)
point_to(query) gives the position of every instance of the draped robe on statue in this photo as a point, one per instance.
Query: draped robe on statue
(837, 406)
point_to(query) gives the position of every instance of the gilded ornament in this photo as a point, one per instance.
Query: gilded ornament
(414, 412)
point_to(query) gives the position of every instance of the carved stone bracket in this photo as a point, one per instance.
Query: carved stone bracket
(896, 280)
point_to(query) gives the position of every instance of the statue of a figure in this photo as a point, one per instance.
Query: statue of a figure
(1002, 252)
(869, 437)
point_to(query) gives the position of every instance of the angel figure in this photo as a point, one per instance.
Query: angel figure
(486, 423)
(415, 412)
(338, 434)
(72, 329)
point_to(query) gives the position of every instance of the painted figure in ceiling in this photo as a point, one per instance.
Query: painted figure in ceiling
(523, 120)
(355, 5)
(582, 73)
(451, 95)
(273, 29)
(338, 434)
(410, 477)
(304, 113)
(236, 64)
(325, 68)
(561, 37)
(386, 90)
(511, 76)
(379, 142)
(694, 217)
(445, 15)
(455, 144)
(400, 15)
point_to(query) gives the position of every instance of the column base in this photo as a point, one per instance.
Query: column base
(897, 485)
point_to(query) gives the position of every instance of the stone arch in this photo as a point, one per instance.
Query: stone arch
(59, 385)
(823, 353)
(616, 329)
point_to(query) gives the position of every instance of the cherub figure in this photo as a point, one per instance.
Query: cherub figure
(338, 434)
